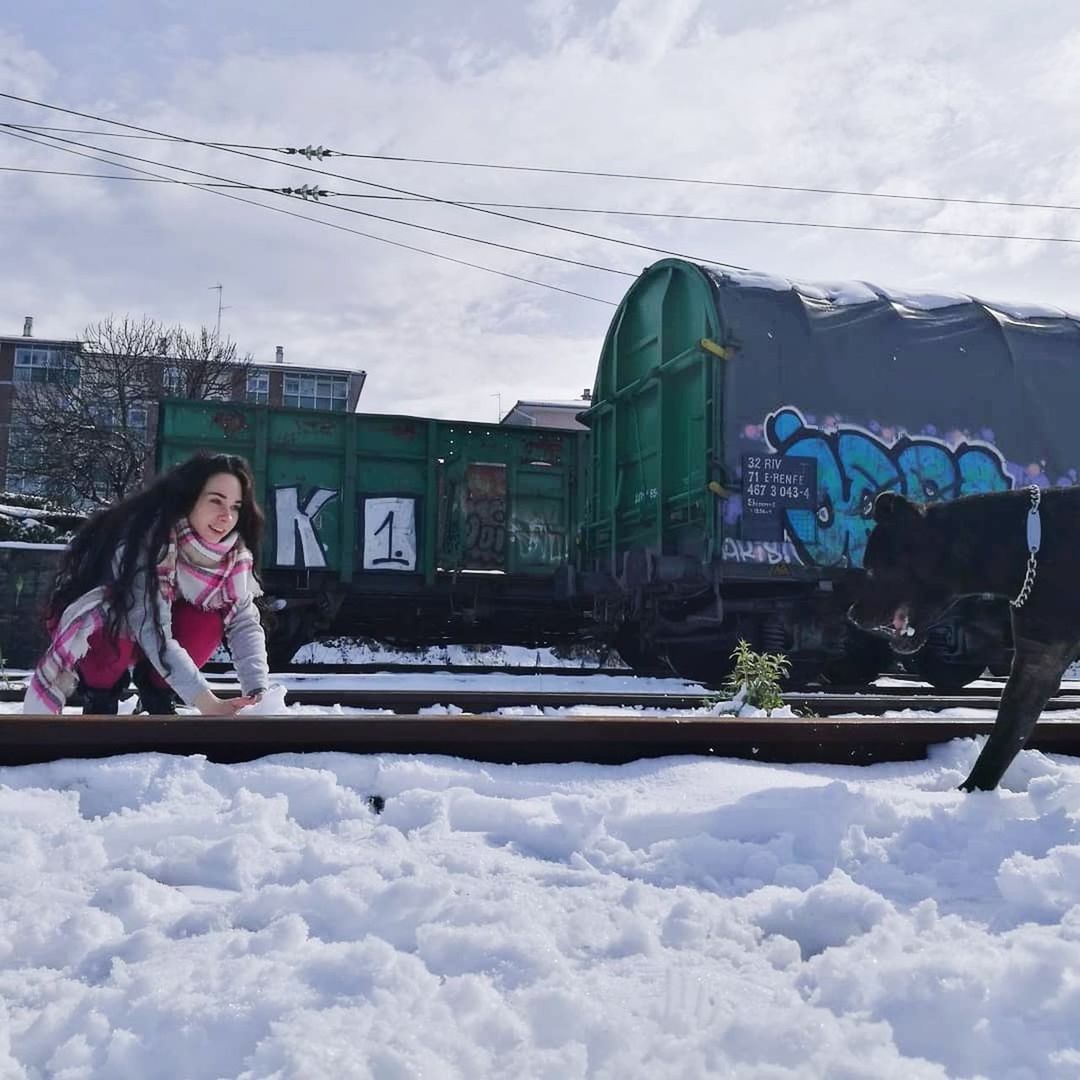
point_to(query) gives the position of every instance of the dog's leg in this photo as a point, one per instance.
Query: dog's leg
(1035, 675)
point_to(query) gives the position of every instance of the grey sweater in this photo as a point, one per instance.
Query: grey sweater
(244, 635)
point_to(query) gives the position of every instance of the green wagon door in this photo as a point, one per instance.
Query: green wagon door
(472, 516)
(503, 517)
(539, 519)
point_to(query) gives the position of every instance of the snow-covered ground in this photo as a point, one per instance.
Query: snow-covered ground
(170, 917)
(365, 651)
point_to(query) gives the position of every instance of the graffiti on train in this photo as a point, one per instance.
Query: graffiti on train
(484, 544)
(389, 533)
(478, 535)
(759, 552)
(854, 464)
(297, 541)
(539, 538)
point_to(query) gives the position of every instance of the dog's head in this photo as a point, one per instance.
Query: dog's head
(905, 588)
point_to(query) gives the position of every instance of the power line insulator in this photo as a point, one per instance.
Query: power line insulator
(306, 192)
(310, 152)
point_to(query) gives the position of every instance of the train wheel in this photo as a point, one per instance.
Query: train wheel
(708, 665)
(642, 661)
(279, 652)
(286, 631)
(864, 658)
(944, 672)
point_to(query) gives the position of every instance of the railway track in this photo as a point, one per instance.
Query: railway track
(607, 740)
(477, 699)
(655, 729)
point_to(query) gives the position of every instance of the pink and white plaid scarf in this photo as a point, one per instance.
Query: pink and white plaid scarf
(211, 576)
(208, 575)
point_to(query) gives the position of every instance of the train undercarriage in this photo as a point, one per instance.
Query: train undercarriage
(692, 633)
(461, 608)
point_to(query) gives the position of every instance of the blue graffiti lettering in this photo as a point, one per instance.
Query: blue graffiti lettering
(855, 465)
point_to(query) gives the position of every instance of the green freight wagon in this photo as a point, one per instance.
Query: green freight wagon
(411, 530)
(742, 426)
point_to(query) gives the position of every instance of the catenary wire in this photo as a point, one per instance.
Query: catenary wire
(728, 219)
(956, 233)
(113, 176)
(398, 158)
(370, 183)
(56, 139)
(326, 224)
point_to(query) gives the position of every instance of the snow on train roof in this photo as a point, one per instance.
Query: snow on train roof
(862, 292)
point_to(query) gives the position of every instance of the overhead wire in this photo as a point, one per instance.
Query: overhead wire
(213, 190)
(113, 176)
(664, 215)
(289, 192)
(730, 219)
(613, 175)
(370, 183)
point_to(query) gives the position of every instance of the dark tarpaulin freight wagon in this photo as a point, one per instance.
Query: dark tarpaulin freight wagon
(412, 530)
(743, 425)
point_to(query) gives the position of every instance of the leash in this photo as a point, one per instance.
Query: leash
(1034, 539)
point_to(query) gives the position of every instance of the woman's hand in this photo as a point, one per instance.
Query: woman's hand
(209, 704)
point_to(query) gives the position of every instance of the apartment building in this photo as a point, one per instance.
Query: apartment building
(27, 358)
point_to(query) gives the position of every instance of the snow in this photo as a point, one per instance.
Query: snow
(354, 651)
(1023, 312)
(164, 916)
(7, 510)
(35, 545)
(846, 292)
(921, 300)
(860, 292)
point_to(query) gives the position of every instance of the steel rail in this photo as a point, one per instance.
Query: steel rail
(608, 740)
(472, 699)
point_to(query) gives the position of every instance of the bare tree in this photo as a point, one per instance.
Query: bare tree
(200, 366)
(80, 428)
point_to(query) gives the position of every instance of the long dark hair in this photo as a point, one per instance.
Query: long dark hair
(140, 524)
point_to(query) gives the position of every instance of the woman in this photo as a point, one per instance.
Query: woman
(156, 582)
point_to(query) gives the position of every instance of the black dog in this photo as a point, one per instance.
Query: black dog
(1016, 544)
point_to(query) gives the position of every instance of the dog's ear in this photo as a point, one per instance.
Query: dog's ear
(889, 506)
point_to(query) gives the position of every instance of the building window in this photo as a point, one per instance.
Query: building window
(41, 365)
(258, 387)
(217, 388)
(23, 468)
(172, 380)
(106, 417)
(309, 391)
(103, 416)
(26, 460)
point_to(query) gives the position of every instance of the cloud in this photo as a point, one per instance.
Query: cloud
(645, 32)
(22, 70)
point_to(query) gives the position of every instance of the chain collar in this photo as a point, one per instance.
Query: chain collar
(1034, 539)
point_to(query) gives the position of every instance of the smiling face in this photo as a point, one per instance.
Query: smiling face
(904, 591)
(217, 509)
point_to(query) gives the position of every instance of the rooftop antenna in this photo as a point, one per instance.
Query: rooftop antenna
(220, 291)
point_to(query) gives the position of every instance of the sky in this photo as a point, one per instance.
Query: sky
(679, 918)
(942, 101)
